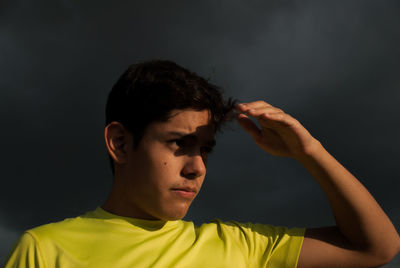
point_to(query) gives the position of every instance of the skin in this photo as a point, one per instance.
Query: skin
(364, 236)
(160, 179)
(146, 180)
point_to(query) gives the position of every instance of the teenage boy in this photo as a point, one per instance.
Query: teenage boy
(161, 120)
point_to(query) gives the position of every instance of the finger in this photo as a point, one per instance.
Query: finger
(249, 126)
(275, 120)
(257, 104)
(265, 110)
(252, 105)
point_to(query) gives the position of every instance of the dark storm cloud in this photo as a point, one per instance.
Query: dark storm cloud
(332, 64)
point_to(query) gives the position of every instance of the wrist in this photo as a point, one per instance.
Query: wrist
(313, 151)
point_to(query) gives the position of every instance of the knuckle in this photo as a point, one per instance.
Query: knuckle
(261, 102)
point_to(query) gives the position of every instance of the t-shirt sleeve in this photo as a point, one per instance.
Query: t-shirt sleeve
(269, 246)
(26, 253)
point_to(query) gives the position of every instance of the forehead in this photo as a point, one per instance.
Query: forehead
(186, 122)
(189, 119)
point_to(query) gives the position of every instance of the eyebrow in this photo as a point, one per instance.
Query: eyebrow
(211, 142)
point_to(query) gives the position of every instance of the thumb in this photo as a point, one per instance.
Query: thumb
(248, 125)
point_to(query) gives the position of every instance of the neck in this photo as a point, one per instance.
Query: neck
(117, 203)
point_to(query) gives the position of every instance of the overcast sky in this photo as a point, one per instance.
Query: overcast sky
(334, 65)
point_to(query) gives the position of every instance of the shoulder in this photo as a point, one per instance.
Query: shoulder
(56, 227)
(265, 243)
(66, 229)
(254, 234)
(248, 228)
(39, 246)
(26, 253)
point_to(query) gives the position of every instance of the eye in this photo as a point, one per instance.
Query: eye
(178, 142)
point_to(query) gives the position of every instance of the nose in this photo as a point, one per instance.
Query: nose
(195, 167)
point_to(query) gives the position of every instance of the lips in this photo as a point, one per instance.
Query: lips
(186, 189)
(185, 192)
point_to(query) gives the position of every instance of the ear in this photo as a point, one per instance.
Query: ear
(118, 141)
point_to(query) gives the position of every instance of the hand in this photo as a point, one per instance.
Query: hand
(280, 134)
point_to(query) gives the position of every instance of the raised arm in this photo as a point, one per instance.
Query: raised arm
(364, 235)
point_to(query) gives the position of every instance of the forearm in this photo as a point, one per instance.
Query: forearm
(364, 236)
(358, 216)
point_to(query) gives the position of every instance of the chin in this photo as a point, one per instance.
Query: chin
(176, 214)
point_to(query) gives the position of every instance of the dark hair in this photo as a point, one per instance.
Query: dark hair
(147, 92)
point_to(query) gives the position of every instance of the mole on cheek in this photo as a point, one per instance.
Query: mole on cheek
(165, 163)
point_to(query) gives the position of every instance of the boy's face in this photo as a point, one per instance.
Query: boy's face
(166, 171)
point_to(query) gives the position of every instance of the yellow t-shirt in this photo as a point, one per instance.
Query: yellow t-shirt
(101, 239)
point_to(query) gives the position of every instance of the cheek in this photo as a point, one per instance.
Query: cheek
(169, 169)
(201, 180)
(166, 166)
(163, 165)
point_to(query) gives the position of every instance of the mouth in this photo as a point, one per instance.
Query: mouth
(185, 192)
